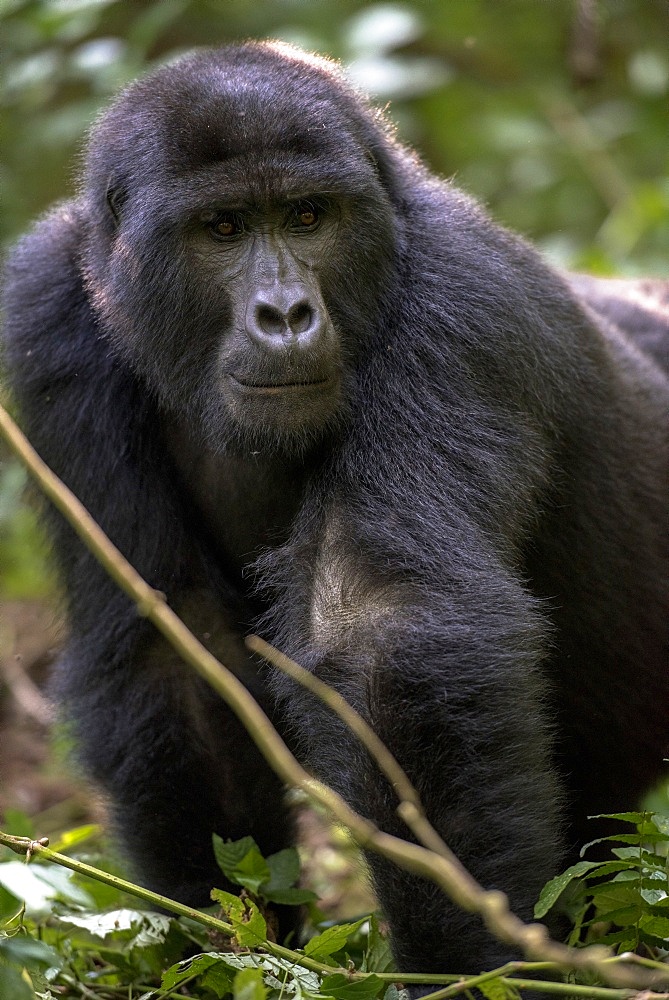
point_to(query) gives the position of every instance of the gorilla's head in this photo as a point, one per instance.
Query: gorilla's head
(240, 239)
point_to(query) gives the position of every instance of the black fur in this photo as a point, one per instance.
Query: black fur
(462, 526)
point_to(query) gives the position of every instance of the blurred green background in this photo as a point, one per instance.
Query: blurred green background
(554, 112)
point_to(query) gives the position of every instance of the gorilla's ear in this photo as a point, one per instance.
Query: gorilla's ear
(387, 158)
(116, 198)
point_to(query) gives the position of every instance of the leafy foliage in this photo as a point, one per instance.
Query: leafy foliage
(62, 935)
(272, 879)
(59, 931)
(624, 902)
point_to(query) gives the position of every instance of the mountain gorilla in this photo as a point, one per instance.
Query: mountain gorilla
(313, 392)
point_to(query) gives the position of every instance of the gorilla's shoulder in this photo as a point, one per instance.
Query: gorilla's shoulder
(638, 309)
(48, 319)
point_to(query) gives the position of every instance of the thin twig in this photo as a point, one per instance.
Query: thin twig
(25, 692)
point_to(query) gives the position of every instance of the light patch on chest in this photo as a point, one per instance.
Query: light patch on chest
(348, 601)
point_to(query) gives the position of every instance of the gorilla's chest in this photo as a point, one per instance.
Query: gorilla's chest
(247, 502)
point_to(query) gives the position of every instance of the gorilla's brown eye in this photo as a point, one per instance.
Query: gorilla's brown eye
(226, 226)
(306, 216)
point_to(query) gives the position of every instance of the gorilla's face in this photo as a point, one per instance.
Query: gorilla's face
(241, 246)
(278, 364)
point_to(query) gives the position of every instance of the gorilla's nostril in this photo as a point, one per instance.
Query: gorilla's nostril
(300, 317)
(271, 320)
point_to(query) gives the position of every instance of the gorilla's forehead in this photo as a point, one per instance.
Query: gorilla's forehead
(271, 176)
(250, 122)
(253, 144)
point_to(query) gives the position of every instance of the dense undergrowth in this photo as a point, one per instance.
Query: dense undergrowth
(66, 935)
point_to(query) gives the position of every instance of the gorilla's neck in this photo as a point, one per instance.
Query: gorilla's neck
(247, 499)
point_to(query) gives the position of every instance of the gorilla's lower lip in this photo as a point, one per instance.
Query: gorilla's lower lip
(269, 387)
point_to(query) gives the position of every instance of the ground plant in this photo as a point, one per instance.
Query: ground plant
(65, 934)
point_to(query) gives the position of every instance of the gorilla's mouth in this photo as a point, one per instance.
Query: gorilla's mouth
(269, 387)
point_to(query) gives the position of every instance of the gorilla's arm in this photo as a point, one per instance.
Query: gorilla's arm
(147, 729)
(87, 417)
(449, 676)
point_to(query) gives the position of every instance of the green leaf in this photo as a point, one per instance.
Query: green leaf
(242, 862)
(182, 971)
(76, 837)
(273, 878)
(229, 853)
(624, 817)
(625, 916)
(279, 973)
(340, 987)
(331, 940)
(249, 985)
(625, 939)
(630, 874)
(663, 904)
(13, 985)
(617, 838)
(657, 926)
(284, 869)
(496, 989)
(215, 971)
(661, 824)
(621, 916)
(620, 893)
(225, 899)
(633, 854)
(248, 922)
(378, 956)
(9, 903)
(552, 891)
(653, 896)
(251, 930)
(609, 868)
(218, 978)
(28, 952)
